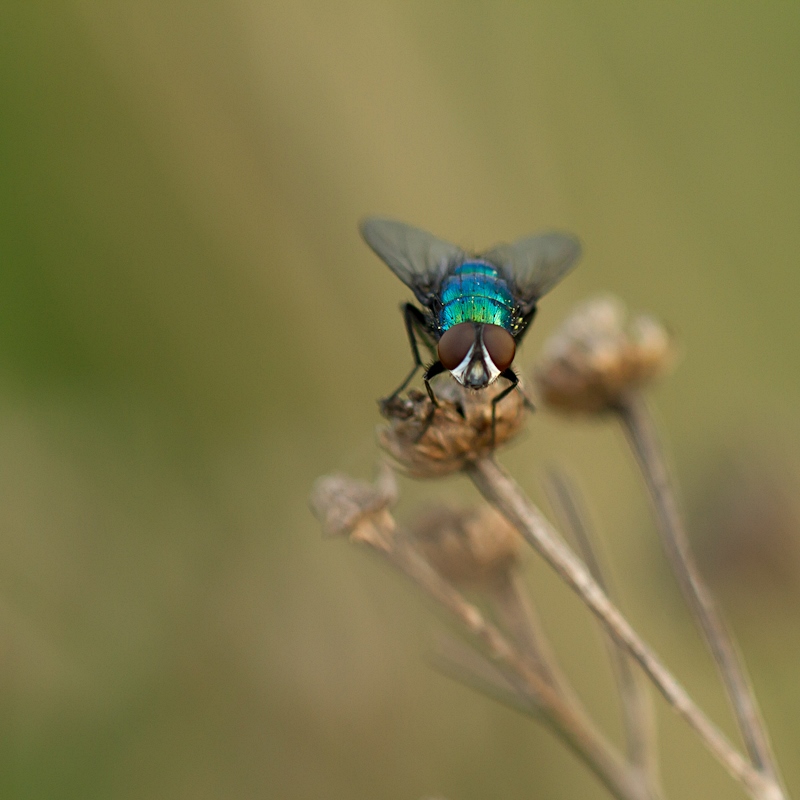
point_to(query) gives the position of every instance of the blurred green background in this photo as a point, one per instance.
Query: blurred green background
(191, 332)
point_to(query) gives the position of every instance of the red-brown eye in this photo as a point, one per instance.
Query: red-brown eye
(455, 344)
(500, 345)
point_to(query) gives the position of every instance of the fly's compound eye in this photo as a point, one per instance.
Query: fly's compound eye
(455, 344)
(500, 345)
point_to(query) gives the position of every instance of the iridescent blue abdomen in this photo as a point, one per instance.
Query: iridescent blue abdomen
(475, 292)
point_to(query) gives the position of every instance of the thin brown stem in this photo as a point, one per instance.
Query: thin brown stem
(348, 507)
(641, 432)
(512, 608)
(503, 492)
(516, 615)
(572, 727)
(637, 708)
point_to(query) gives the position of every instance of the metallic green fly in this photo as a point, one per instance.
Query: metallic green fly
(474, 308)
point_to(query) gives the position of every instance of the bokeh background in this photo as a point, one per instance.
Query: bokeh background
(191, 332)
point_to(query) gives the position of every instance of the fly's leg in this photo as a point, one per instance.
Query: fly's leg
(412, 317)
(437, 368)
(509, 374)
(526, 321)
(513, 383)
(528, 403)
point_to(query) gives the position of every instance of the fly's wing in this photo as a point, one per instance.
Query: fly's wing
(534, 265)
(417, 257)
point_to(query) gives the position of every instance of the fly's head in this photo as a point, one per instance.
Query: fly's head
(476, 354)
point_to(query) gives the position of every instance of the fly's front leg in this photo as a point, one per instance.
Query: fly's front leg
(412, 317)
(525, 399)
(437, 368)
(513, 382)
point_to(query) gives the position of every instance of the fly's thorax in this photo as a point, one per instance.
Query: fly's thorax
(476, 354)
(476, 292)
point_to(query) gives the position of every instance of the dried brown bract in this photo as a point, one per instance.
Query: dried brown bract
(597, 356)
(471, 547)
(458, 433)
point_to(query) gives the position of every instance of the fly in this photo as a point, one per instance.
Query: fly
(475, 309)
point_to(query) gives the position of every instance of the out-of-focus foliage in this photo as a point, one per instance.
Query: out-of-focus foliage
(191, 331)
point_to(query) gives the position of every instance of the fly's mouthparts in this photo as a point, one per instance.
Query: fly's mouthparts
(477, 376)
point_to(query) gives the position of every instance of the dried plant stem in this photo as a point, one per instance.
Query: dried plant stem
(502, 491)
(641, 432)
(573, 728)
(637, 708)
(516, 615)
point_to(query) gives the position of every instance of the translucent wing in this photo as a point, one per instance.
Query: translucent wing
(417, 257)
(534, 265)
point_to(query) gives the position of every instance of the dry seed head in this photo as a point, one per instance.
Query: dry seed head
(361, 510)
(595, 358)
(459, 433)
(470, 547)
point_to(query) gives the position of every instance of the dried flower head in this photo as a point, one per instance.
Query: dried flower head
(361, 510)
(469, 547)
(595, 358)
(458, 433)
